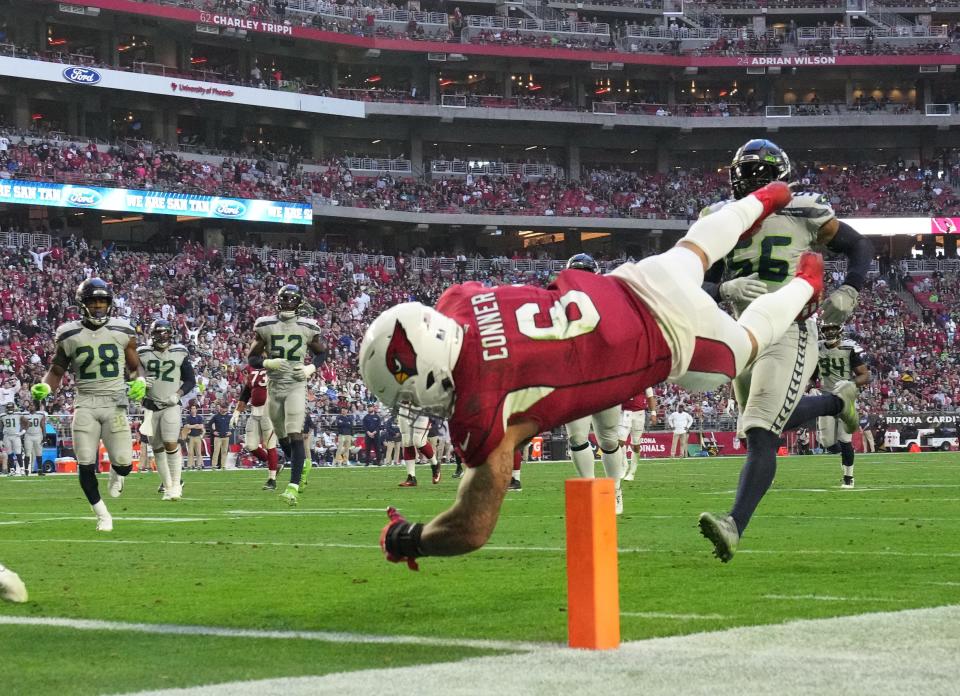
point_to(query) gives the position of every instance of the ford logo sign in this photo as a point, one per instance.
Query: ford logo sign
(81, 76)
(83, 197)
(230, 209)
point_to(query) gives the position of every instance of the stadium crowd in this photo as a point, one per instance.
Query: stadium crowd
(213, 302)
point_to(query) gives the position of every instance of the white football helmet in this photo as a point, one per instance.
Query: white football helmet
(407, 359)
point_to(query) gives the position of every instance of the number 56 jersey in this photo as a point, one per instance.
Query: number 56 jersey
(550, 355)
(773, 252)
(96, 359)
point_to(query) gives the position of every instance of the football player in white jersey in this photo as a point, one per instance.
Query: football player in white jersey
(840, 360)
(280, 346)
(13, 439)
(606, 423)
(96, 349)
(632, 424)
(169, 376)
(34, 426)
(12, 588)
(769, 391)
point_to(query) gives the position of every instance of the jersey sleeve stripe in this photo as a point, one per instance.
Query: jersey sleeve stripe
(67, 334)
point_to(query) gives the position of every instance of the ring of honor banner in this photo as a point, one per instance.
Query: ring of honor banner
(154, 202)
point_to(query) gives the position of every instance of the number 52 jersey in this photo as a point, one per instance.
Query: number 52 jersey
(96, 359)
(550, 355)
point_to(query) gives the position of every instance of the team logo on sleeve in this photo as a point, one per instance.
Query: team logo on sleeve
(401, 358)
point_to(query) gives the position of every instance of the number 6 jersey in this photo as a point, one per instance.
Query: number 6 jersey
(550, 355)
(96, 359)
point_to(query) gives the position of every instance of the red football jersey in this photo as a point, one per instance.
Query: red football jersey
(583, 344)
(256, 382)
(636, 403)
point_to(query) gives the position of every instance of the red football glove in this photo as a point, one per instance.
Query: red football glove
(396, 527)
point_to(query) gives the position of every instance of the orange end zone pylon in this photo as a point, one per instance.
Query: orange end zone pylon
(593, 588)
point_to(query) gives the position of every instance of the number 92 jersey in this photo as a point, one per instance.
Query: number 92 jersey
(583, 344)
(773, 252)
(287, 339)
(96, 359)
(163, 370)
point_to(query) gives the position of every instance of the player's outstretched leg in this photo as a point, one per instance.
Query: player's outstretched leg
(87, 473)
(716, 234)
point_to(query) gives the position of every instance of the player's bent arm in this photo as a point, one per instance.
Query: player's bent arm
(133, 360)
(467, 525)
(188, 378)
(843, 239)
(57, 370)
(862, 376)
(319, 350)
(255, 354)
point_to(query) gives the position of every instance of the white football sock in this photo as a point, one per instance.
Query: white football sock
(717, 233)
(634, 462)
(160, 458)
(613, 464)
(769, 316)
(847, 470)
(583, 461)
(411, 465)
(175, 466)
(101, 509)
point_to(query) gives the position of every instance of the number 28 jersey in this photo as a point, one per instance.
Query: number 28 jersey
(96, 359)
(773, 252)
(583, 344)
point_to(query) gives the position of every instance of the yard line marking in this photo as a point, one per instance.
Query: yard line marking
(945, 582)
(222, 632)
(830, 598)
(535, 549)
(668, 615)
(318, 511)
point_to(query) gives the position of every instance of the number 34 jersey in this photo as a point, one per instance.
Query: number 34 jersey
(96, 358)
(163, 370)
(773, 252)
(583, 344)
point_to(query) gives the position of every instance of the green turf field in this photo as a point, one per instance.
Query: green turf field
(230, 555)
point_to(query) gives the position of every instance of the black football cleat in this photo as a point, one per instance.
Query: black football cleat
(514, 485)
(411, 482)
(270, 485)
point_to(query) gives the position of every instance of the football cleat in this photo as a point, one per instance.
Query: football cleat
(458, 473)
(628, 476)
(270, 485)
(160, 488)
(774, 196)
(847, 392)
(810, 269)
(291, 496)
(168, 496)
(115, 486)
(435, 470)
(514, 485)
(847, 482)
(104, 523)
(411, 482)
(618, 502)
(722, 532)
(12, 588)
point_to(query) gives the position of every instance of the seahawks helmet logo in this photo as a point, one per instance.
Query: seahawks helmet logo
(401, 358)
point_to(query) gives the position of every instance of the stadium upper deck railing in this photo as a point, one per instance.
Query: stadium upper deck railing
(26, 240)
(444, 168)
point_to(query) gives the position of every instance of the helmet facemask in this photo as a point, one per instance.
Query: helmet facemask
(289, 302)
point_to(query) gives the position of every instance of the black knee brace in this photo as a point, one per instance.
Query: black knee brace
(88, 482)
(579, 448)
(122, 470)
(613, 451)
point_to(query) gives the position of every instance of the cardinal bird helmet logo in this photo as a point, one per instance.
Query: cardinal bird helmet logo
(400, 356)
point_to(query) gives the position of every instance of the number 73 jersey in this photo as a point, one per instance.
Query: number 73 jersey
(773, 252)
(96, 358)
(551, 355)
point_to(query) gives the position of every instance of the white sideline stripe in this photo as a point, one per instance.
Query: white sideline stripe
(501, 549)
(668, 615)
(830, 598)
(221, 632)
(885, 654)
